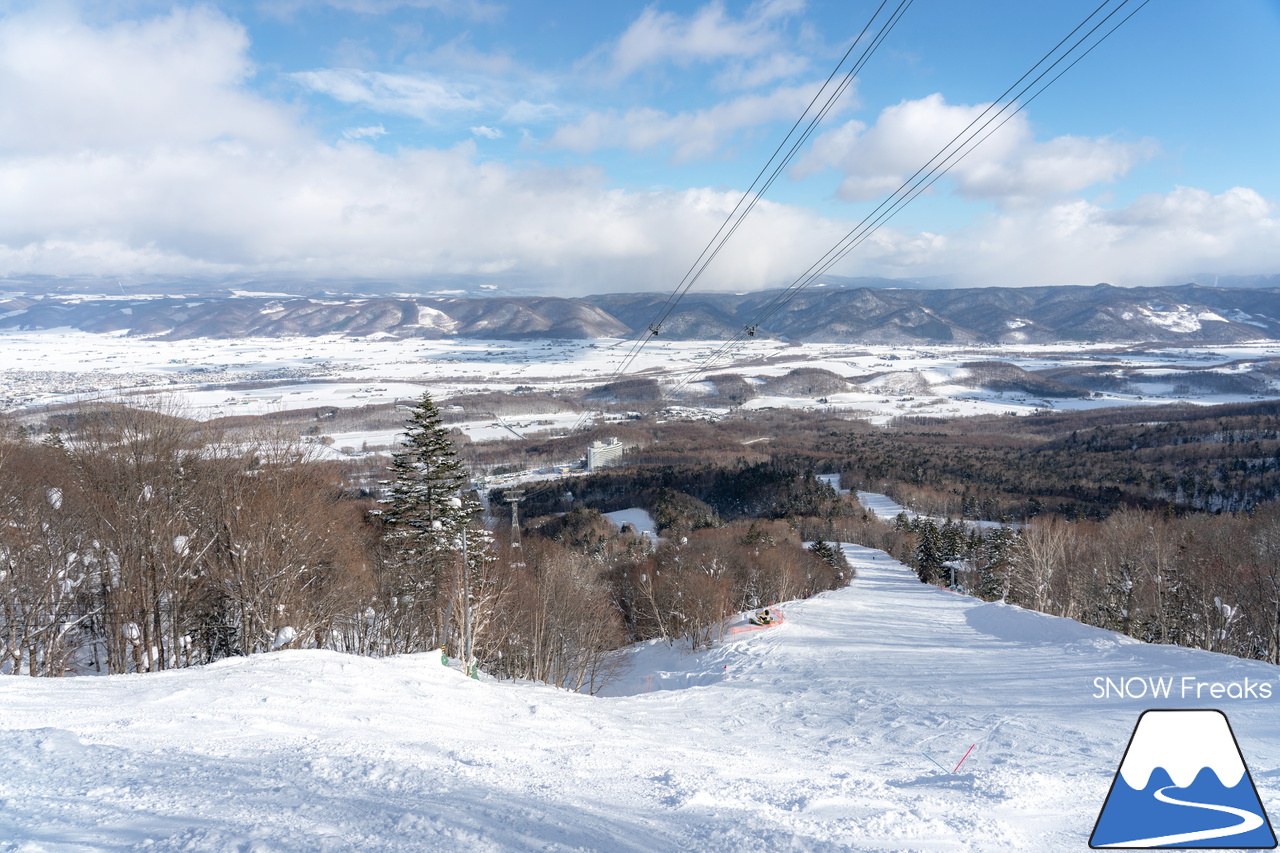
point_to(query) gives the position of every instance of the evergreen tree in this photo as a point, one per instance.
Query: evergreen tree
(951, 540)
(425, 518)
(928, 552)
(833, 556)
(993, 563)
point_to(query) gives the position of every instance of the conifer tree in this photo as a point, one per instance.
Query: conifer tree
(426, 515)
(832, 556)
(993, 563)
(928, 551)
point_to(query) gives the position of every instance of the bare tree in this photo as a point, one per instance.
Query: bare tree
(133, 465)
(1038, 559)
(558, 624)
(44, 569)
(275, 565)
(1266, 582)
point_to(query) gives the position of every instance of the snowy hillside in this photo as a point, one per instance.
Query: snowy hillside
(826, 733)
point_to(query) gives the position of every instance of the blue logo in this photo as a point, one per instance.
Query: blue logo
(1183, 784)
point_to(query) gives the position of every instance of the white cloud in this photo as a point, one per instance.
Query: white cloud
(765, 70)
(435, 98)
(1010, 164)
(372, 132)
(175, 78)
(176, 169)
(352, 211)
(488, 132)
(1073, 241)
(418, 96)
(459, 55)
(694, 134)
(527, 112)
(137, 148)
(709, 34)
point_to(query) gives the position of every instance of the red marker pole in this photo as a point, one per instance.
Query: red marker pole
(966, 755)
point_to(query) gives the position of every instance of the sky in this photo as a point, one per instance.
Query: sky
(583, 147)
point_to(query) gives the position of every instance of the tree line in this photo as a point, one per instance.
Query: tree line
(1079, 464)
(1200, 580)
(137, 541)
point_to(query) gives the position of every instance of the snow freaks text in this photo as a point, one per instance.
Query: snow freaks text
(1186, 687)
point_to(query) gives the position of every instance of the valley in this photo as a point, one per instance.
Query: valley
(213, 378)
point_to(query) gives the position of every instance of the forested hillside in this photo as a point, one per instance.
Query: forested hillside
(141, 541)
(136, 540)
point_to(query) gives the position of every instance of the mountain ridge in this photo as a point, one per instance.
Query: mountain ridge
(830, 312)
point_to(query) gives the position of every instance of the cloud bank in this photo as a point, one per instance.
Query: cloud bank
(142, 147)
(1011, 163)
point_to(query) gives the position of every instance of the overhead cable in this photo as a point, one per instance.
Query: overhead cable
(959, 147)
(796, 137)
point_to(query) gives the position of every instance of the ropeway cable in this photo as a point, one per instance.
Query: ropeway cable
(752, 195)
(921, 180)
(893, 200)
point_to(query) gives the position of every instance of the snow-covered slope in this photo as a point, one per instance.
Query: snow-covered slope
(826, 733)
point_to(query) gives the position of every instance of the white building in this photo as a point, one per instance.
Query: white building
(602, 453)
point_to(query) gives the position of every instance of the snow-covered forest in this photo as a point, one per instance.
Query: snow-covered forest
(139, 542)
(882, 714)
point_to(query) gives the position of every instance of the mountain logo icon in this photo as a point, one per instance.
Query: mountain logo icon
(1183, 784)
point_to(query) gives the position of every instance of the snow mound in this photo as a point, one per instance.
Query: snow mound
(1014, 624)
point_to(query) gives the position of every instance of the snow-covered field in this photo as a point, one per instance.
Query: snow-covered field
(61, 365)
(637, 518)
(58, 366)
(837, 730)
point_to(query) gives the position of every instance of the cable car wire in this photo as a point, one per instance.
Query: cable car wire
(924, 177)
(751, 197)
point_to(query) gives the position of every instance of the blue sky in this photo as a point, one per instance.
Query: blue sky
(588, 147)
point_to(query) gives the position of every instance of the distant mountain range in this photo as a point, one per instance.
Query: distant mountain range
(837, 311)
(971, 315)
(178, 318)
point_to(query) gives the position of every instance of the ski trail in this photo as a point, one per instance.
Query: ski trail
(1249, 821)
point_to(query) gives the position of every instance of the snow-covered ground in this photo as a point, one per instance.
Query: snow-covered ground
(887, 509)
(833, 480)
(883, 506)
(637, 518)
(834, 731)
(59, 366)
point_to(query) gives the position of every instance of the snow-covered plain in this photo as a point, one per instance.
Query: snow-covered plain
(59, 366)
(837, 730)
